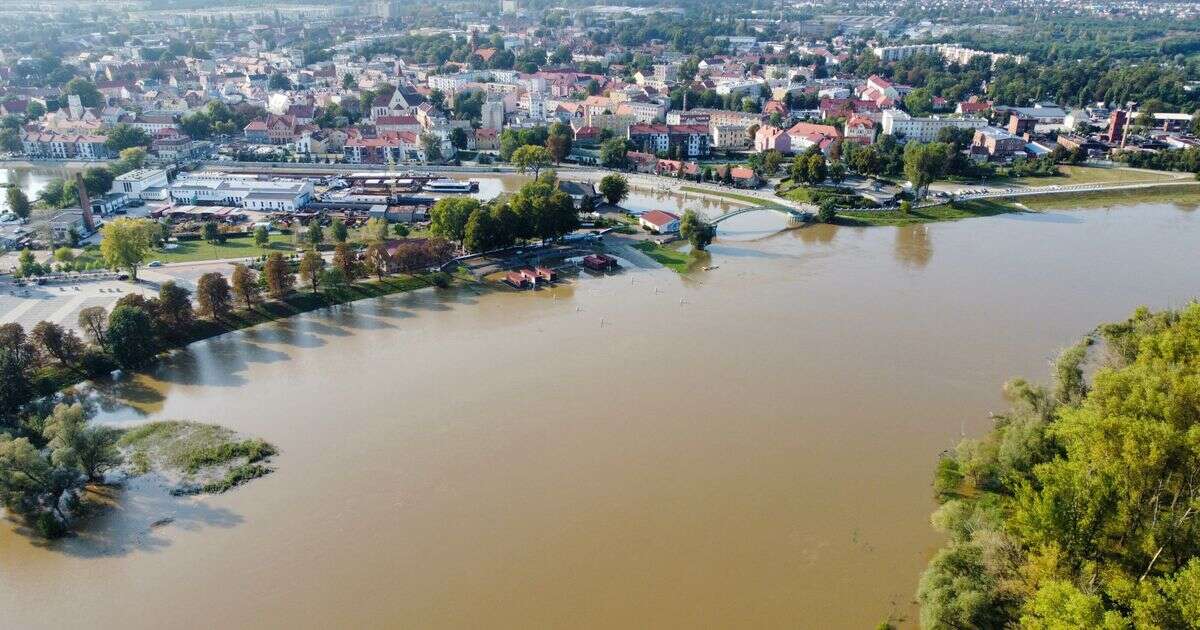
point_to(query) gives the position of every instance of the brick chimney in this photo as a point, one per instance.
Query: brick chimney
(85, 203)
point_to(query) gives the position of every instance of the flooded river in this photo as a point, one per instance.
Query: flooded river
(30, 180)
(746, 447)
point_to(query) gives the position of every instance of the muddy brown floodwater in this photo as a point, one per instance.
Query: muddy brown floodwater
(745, 447)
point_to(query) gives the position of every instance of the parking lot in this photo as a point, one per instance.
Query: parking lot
(60, 303)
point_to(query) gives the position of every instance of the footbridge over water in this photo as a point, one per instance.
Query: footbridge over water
(791, 213)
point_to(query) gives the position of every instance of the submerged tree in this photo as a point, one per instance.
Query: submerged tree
(697, 231)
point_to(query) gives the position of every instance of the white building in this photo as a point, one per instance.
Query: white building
(899, 123)
(144, 183)
(241, 191)
(492, 113)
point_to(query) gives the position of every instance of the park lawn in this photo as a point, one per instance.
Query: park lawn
(817, 194)
(941, 212)
(1089, 175)
(192, 251)
(359, 235)
(666, 256)
(747, 199)
(1184, 193)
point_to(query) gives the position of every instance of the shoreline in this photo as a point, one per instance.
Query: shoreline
(297, 303)
(1015, 204)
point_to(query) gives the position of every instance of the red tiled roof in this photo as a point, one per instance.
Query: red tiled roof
(659, 217)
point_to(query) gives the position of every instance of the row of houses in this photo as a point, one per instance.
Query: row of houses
(62, 146)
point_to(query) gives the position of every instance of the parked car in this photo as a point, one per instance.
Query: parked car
(155, 263)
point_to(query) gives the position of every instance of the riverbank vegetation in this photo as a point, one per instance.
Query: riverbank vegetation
(46, 471)
(670, 257)
(196, 458)
(929, 214)
(1184, 193)
(539, 210)
(1081, 507)
(49, 357)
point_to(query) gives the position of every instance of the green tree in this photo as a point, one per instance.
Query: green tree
(1069, 513)
(613, 153)
(615, 188)
(10, 140)
(175, 308)
(18, 202)
(919, 102)
(482, 231)
(262, 236)
(52, 195)
(211, 232)
(771, 161)
(124, 136)
(923, 164)
(55, 341)
(98, 180)
(827, 211)
(89, 95)
(695, 230)
(16, 387)
(531, 158)
(130, 338)
(311, 265)
(315, 234)
(129, 159)
(837, 172)
(124, 243)
(73, 444)
(448, 217)
(93, 321)
(338, 230)
(432, 146)
(32, 487)
(458, 138)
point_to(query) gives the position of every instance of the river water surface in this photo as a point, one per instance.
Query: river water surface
(746, 447)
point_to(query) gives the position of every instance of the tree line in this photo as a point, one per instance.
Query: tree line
(539, 210)
(1081, 507)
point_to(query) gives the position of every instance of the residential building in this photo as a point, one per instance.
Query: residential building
(901, 124)
(997, 144)
(859, 129)
(686, 140)
(492, 114)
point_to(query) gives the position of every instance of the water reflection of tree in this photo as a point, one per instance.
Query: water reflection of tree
(816, 233)
(914, 245)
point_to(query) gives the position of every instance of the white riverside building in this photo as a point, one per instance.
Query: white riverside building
(243, 191)
(899, 123)
(143, 183)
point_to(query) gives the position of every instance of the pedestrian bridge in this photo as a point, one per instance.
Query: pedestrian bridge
(791, 213)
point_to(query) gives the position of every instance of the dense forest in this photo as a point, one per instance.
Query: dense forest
(1081, 507)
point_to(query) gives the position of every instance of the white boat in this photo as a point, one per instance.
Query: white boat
(450, 186)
